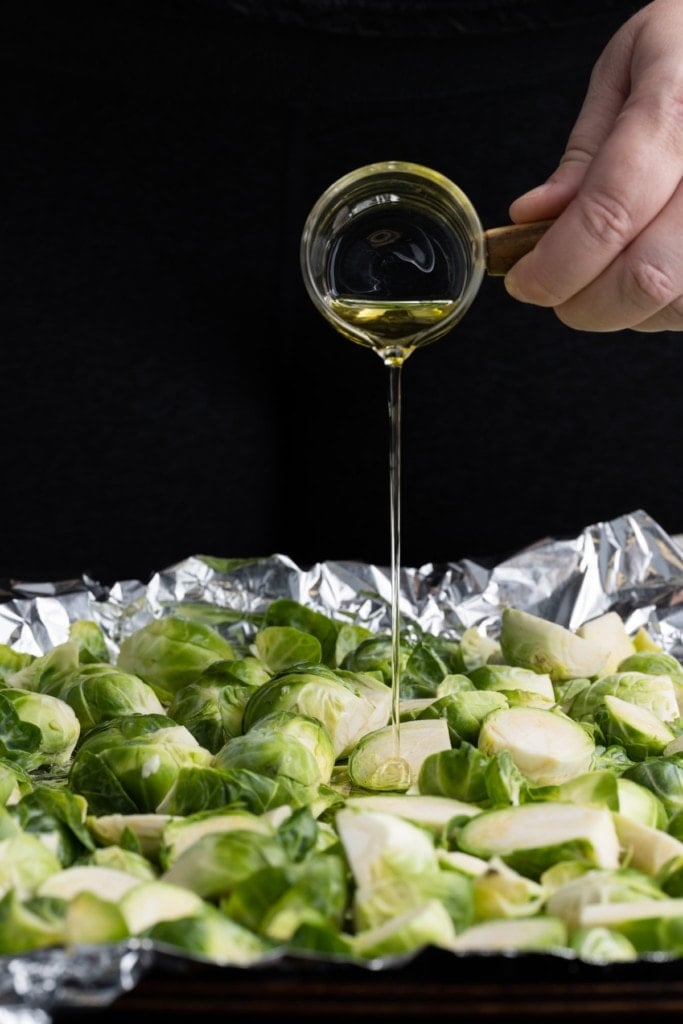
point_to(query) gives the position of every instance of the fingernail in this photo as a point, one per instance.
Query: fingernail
(512, 286)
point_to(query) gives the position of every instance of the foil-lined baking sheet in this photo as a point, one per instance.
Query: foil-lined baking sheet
(629, 565)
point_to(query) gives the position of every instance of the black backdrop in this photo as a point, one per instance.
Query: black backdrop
(167, 387)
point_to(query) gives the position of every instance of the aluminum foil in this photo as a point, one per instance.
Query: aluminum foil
(629, 565)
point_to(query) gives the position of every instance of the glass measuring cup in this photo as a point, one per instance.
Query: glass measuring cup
(393, 255)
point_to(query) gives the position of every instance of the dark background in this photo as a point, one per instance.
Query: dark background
(168, 388)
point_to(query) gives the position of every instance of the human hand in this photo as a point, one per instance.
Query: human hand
(614, 257)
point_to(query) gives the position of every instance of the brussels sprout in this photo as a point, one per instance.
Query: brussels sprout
(454, 683)
(57, 818)
(212, 712)
(377, 759)
(424, 670)
(542, 934)
(147, 830)
(608, 631)
(430, 812)
(97, 693)
(601, 946)
(649, 926)
(90, 918)
(287, 612)
(675, 825)
(214, 937)
(646, 848)
(120, 730)
(612, 759)
(91, 642)
(276, 902)
(47, 669)
(426, 925)
(464, 712)
(412, 707)
(395, 868)
(15, 781)
(348, 705)
(670, 877)
(19, 741)
(283, 647)
(180, 833)
(640, 804)
(547, 647)
(532, 837)
(249, 670)
(546, 746)
(674, 746)
(510, 677)
(375, 655)
(69, 882)
(57, 725)
(655, 693)
(379, 846)
(280, 756)
(663, 776)
(529, 699)
(464, 863)
(203, 789)
(653, 663)
(644, 641)
(170, 652)
(31, 924)
(128, 861)
(217, 861)
(501, 892)
(350, 635)
(597, 788)
(309, 731)
(12, 661)
(567, 691)
(126, 765)
(476, 649)
(392, 896)
(600, 886)
(503, 782)
(144, 905)
(459, 773)
(640, 732)
(25, 863)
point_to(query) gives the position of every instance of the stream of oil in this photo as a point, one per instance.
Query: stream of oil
(392, 278)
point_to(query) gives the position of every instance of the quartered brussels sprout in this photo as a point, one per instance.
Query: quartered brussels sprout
(547, 647)
(532, 837)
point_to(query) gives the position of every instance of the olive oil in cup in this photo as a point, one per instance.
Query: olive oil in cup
(392, 255)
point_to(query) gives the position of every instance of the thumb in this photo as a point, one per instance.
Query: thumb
(547, 201)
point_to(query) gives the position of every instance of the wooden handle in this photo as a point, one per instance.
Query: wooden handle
(504, 246)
